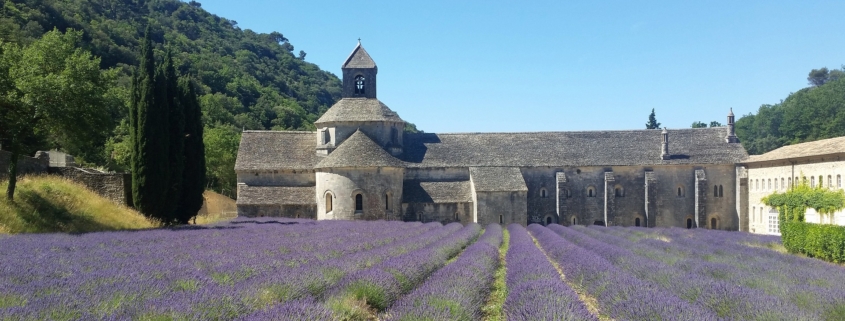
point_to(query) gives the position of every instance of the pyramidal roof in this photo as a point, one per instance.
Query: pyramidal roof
(359, 59)
(359, 109)
(359, 151)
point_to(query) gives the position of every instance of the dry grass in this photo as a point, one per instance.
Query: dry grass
(215, 208)
(47, 204)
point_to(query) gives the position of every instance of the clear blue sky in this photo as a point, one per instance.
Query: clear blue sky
(508, 66)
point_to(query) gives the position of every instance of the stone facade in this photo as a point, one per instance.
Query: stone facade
(819, 163)
(360, 164)
(26, 165)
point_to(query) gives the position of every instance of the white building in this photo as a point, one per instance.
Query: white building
(820, 163)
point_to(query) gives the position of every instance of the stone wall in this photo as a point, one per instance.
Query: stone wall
(438, 212)
(26, 165)
(277, 178)
(116, 187)
(274, 210)
(381, 190)
(501, 207)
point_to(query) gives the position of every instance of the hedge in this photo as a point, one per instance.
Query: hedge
(823, 241)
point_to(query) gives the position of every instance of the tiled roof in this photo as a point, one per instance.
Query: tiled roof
(271, 150)
(358, 109)
(359, 58)
(586, 148)
(414, 191)
(497, 179)
(359, 151)
(817, 148)
(272, 195)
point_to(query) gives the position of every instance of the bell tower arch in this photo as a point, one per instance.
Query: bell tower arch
(359, 74)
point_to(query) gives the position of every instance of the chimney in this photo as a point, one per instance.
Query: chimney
(731, 137)
(664, 151)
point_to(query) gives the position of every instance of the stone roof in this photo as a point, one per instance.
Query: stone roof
(585, 148)
(272, 150)
(359, 151)
(822, 147)
(359, 58)
(414, 191)
(359, 109)
(497, 179)
(275, 195)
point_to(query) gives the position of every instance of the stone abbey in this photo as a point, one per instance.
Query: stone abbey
(360, 164)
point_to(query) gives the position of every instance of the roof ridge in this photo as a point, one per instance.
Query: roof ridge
(573, 131)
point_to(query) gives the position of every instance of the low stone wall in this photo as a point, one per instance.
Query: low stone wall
(276, 210)
(116, 187)
(26, 165)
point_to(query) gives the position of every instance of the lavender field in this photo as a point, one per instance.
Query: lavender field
(287, 269)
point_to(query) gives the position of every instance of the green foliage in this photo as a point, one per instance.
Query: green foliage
(221, 149)
(194, 173)
(263, 83)
(807, 115)
(698, 124)
(823, 241)
(52, 93)
(652, 121)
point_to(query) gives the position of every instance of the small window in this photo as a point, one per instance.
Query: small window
(714, 223)
(637, 221)
(838, 180)
(457, 217)
(501, 219)
(387, 201)
(394, 135)
(680, 191)
(591, 191)
(689, 223)
(774, 226)
(776, 184)
(757, 184)
(754, 213)
(812, 181)
(327, 136)
(359, 84)
(720, 191)
(619, 191)
(715, 191)
(328, 202)
(821, 181)
(782, 185)
(761, 216)
(543, 193)
(790, 181)
(359, 202)
(829, 181)
(770, 184)
(548, 220)
(574, 220)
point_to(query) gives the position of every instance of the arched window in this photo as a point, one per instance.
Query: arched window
(689, 223)
(812, 181)
(359, 84)
(776, 184)
(761, 215)
(680, 191)
(757, 184)
(501, 219)
(637, 221)
(591, 191)
(714, 223)
(782, 185)
(359, 202)
(328, 202)
(821, 181)
(619, 191)
(720, 191)
(754, 213)
(457, 217)
(548, 220)
(770, 184)
(790, 182)
(327, 136)
(387, 201)
(574, 220)
(838, 180)
(715, 190)
(543, 193)
(829, 181)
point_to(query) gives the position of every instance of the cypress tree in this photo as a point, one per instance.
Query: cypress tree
(148, 121)
(193, 175)
(169, 91)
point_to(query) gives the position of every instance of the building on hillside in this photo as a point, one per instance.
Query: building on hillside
(360, 164)
(819, 163)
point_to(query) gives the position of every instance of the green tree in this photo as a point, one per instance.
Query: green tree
(221, 149)
(715, 124)
(818, 77)
(50, 88)
(168, 87)
(149, 127)
(652, 121)
(193, 176)
(698, 124)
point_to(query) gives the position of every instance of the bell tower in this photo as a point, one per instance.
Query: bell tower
(359, 74)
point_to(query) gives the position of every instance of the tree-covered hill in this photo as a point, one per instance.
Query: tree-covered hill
(245, 80)
(812, 113)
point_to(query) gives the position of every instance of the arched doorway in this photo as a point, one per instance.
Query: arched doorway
(548, 220)
(689, 223)
(637, 221)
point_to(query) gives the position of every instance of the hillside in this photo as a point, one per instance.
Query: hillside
(244, 79)
(47, 204)
(809, 114)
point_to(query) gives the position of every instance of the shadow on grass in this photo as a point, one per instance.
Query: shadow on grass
(42, 215)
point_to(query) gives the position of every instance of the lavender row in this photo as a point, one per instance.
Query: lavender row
(201, 274)
(535, 288)
(814, 287)
(457, 291)
(620, 295)
(694, 283)
(382, 284)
